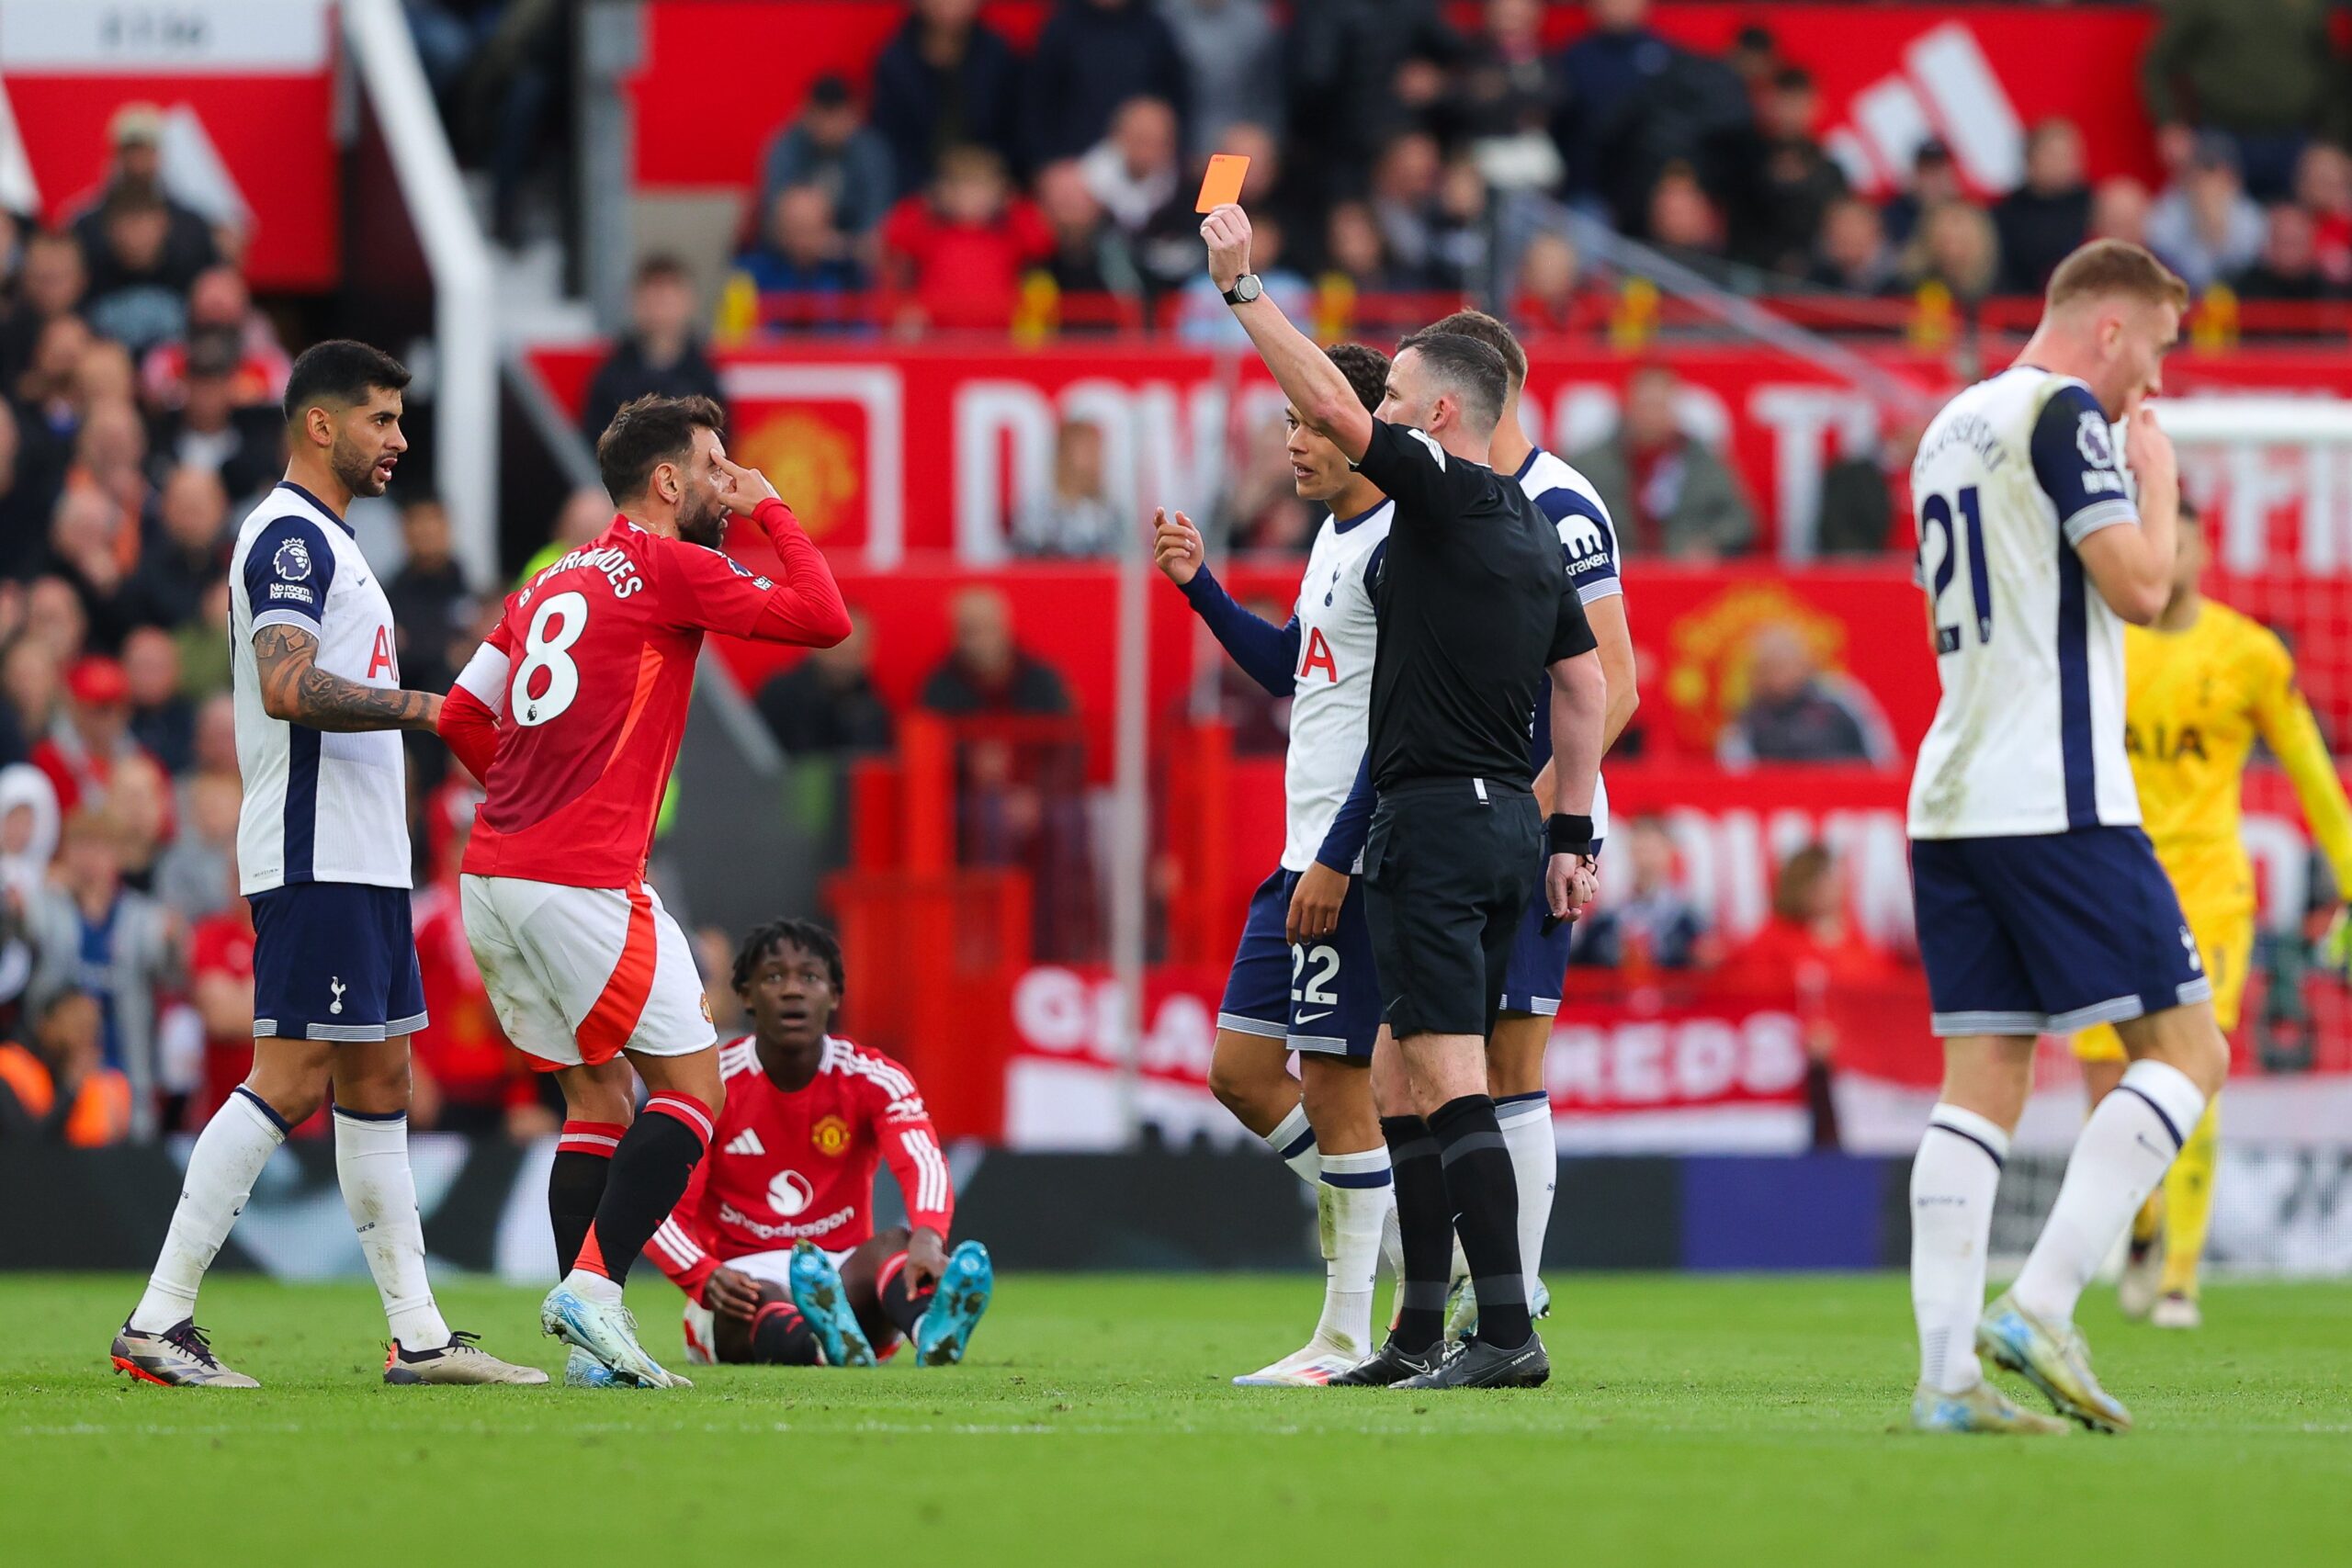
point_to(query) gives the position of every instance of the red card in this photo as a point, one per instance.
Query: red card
(1221, 185)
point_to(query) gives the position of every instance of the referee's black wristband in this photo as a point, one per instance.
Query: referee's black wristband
(1569, 835)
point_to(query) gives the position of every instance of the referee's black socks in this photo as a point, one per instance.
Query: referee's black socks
(1485, 1194)
(1425, 1226)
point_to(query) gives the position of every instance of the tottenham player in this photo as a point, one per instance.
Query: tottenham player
(570, 714)
(1302, 978)
(323, 849)
(1539, 956)
(2041, 906)
(773, 1242)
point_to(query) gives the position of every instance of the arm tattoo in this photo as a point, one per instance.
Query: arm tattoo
(294, 688)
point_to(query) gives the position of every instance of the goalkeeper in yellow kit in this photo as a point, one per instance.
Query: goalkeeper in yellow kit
(2200, 683)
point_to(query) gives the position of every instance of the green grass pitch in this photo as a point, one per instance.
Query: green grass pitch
(1716, 1421)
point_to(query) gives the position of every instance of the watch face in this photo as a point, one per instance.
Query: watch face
(1246, 287)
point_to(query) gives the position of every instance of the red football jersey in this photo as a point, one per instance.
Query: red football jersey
(786, 1167)
(589, 674)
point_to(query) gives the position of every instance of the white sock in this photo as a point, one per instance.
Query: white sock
(1526, 1121)
(2125, 1148)
(1953, 1178)
(595, 1287)
(228, 1155)
(1293, 1140)
(1353, 1198)
(379, 1191)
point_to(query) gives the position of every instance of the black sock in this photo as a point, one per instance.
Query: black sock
(1425, 1223)
(782, 1337)
(650, 1169)
(901, 1306)
(1485, 1196)
(583, 1157)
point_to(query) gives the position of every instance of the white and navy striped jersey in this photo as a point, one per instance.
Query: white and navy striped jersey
(319, 807)
(1338, 634)
(1588, 541)
(2010, 479)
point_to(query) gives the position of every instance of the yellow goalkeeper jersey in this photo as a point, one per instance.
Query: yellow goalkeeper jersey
(2194, 701)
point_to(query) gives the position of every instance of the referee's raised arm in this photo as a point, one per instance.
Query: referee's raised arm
(1317, 388)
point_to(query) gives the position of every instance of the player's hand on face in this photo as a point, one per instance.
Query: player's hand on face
(1226, 230)
(1315, 903)
(2149, 451)
(741, 490)
(926, 1260)
(1176, 546)
(731, 1294)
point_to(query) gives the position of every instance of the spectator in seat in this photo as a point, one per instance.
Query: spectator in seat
(56, 1087)
(136, 135)
(2043, 220)
(51, 280)
(85, 540)
(1093, 56)
(432, 604)
(2324, 188)
(163, 722)
(832, 148)
(956, 257)
(92, 737)
(190, 553)
(1955, 249)
(206, 425)
(1075, 519)
(218, 303)
(2289, 268)
(204, 652)
(137, 297)
(801, 253)
(139, 799)
(986, 670)
(1790, 181)
(54, 618)
(1090, 255)
(28, 828)
(825, 704)
(1669, 493)
(945, 79)
(1685, 225)
(1866, 494)
(2263, 75)
(1232, 52)
(220, 987)
(1508, 89)
(111, 453)
(1551, 297)
(1853, 257)
(660, 353)
(1132, 171)
(1794, 713)
(92, 933)
(2120, 205)
(2204, 225)
(1653, 925)
(1355, 252)
(195, 877)
(28, 682)
(1935, 180)
(1360, 72)
(1404, 201)
(216, 742)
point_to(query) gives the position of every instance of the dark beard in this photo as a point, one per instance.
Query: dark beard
(353, 471)
(707, 529)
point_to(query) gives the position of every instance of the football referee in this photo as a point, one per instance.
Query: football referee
(1474, 607)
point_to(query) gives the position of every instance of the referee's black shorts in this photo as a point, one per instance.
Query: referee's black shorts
(1448, 871)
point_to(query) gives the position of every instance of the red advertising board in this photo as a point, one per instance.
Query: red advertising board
(247, 92)
(1976, 75)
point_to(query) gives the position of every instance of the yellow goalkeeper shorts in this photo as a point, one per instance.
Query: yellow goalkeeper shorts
(2226, 945)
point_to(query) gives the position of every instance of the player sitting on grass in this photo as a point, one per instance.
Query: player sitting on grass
(773, 1242)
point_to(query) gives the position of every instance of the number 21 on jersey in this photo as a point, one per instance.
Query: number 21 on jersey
(1936, 518)
(546, 682)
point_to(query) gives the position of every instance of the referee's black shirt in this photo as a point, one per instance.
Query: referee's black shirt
(1475, 603)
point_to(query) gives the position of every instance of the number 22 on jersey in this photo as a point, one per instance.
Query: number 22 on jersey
(1936, 517)
(546, 682)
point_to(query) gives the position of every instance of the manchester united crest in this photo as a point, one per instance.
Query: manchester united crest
(831, 1134)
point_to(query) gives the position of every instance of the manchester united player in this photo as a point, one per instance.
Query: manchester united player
(570, 714)
(773, 1243)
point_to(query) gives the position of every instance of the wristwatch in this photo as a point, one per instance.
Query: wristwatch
(1245, 288)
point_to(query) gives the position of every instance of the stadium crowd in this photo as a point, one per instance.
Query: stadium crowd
(964, 185)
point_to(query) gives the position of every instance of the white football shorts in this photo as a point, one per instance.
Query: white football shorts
(578, 975)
